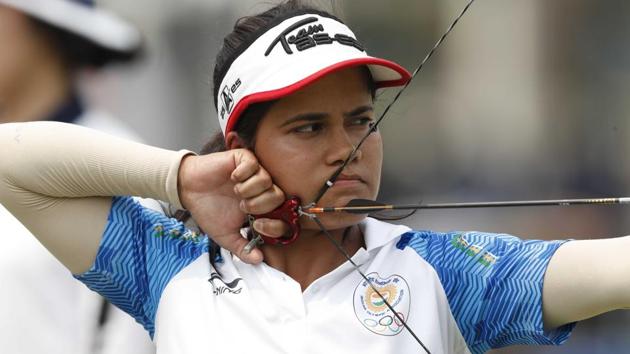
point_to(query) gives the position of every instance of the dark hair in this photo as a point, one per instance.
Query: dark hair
(246, 126)
(78, 52)
(247, 29)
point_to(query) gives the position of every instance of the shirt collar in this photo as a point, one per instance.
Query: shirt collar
(377, 233)
(69, 111)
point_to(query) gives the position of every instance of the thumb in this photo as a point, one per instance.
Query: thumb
(235, 243)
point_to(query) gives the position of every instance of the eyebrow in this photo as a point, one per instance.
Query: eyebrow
(316, 116)
(359, 110)
(309, 117)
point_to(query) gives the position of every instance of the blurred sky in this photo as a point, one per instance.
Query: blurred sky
(526, 99)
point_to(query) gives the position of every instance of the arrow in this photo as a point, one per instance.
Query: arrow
(365, 206)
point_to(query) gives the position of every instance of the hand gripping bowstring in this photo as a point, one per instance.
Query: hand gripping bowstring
(351, 157)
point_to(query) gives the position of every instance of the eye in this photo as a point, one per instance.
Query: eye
(362, 121)
(308, 128)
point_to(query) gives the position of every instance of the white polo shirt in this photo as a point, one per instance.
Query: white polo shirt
(459, 292)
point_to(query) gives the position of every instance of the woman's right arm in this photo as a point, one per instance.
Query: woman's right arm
(58, 179)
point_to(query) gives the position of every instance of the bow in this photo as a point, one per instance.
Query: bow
(352, 155)
(312, 211)
(290, 213)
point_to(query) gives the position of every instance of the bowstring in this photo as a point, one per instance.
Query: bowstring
(356, 267)
(329, 183)
(374, 126)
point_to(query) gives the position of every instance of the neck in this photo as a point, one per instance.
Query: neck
(313, 255)
(38, 92)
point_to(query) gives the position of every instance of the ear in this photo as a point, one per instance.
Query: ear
(233, 141)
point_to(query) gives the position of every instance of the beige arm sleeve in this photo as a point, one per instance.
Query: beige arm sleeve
(586, 278)
(58, 179)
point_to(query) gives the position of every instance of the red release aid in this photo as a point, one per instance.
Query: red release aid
(287, 212)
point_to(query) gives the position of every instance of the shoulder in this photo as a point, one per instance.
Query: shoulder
(477, 253)
(465, 247)
(377, 233)
(387, 245)
(473, 243)
(141, 251)
(493, 283)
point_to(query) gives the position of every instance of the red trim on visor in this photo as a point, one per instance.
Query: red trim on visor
(278, 93)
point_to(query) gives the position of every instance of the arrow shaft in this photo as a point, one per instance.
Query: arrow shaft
(516, 203)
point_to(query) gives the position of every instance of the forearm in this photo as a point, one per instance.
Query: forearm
(57, 179)
(61, 160)
(586, 278)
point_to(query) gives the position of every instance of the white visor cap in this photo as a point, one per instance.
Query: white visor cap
(291, 55)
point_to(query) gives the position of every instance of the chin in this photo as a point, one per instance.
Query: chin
(333, 221)
(339, 196)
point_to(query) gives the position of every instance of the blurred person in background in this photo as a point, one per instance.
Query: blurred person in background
(45, 46)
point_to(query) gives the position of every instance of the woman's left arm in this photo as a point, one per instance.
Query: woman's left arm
(586, 278)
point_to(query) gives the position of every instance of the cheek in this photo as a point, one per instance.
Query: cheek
(293, 170)
(373, 158)
(300, 169)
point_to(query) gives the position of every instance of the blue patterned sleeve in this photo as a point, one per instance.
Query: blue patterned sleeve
(493, 283)
(140, 251)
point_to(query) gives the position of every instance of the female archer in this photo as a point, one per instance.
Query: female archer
(294, 91)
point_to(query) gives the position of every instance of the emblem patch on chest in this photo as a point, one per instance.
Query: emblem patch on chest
(220, 286)
(372, 311)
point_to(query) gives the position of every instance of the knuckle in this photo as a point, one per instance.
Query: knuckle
(263, 174)
(251, 206)
(278, 194)
(253, 163)
(252, 169)
(267, 183)
(247, 153)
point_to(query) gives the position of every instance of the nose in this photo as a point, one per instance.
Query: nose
(340, 146)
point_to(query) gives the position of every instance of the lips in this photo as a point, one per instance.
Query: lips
(345, 179)
(348, 177)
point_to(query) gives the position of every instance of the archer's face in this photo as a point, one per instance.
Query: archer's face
(307, 135)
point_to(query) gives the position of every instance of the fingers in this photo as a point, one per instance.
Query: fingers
(246, 165)
(264, 202)
(256, 184)
(271, 227)
(235, 243)
(258, 195)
